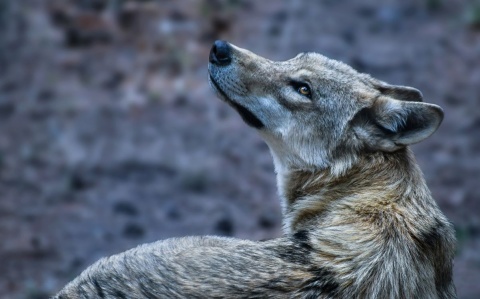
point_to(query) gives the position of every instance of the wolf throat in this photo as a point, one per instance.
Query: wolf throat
(248, 117)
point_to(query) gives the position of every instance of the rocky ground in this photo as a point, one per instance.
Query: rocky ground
(111, 137)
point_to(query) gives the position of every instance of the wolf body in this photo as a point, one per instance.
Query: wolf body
(359, 220)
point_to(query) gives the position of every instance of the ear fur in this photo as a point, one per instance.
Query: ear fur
(398, 92)
(390, 124)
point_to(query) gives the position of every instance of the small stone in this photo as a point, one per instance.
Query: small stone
(125, 208)
(133, 231)
(224, 227)
(268, 220)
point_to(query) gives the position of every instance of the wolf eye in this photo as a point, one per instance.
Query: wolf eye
(304, 90)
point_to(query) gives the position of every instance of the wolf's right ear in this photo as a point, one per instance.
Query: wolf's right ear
(391, 124)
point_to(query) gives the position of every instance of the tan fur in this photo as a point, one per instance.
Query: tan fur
(359, 220)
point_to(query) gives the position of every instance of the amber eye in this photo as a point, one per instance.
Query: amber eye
(304, 90)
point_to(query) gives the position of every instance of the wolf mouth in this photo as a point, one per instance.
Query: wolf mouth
(248, 117)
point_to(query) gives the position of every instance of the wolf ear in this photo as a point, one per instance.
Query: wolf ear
(391, 124)
(398, 92)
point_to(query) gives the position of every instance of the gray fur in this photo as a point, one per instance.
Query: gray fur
(359, 220)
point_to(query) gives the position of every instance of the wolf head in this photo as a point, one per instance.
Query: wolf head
(316, 112)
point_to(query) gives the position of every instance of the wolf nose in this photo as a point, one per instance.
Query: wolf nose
(220, 53)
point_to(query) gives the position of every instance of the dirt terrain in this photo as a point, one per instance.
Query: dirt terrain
(110, 135)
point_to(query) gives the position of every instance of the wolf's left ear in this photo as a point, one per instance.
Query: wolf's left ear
(398, 92)
(392, 124)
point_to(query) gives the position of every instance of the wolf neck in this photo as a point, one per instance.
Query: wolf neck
(375, 182)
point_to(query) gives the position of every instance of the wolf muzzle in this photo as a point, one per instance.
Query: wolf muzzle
(221, 56)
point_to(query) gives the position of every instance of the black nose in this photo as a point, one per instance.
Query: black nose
(220, 53)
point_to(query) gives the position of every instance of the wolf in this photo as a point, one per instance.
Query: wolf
(359, 220)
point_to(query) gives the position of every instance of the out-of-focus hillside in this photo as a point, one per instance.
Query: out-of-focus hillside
(110, 135)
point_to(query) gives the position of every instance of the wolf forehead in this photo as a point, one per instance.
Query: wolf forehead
(310, 65)
(330, 72)
(324, 71)
(313, 61)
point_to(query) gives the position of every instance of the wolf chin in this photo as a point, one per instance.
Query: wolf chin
(359, 220)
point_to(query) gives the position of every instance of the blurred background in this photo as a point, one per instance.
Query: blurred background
(110, 135)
